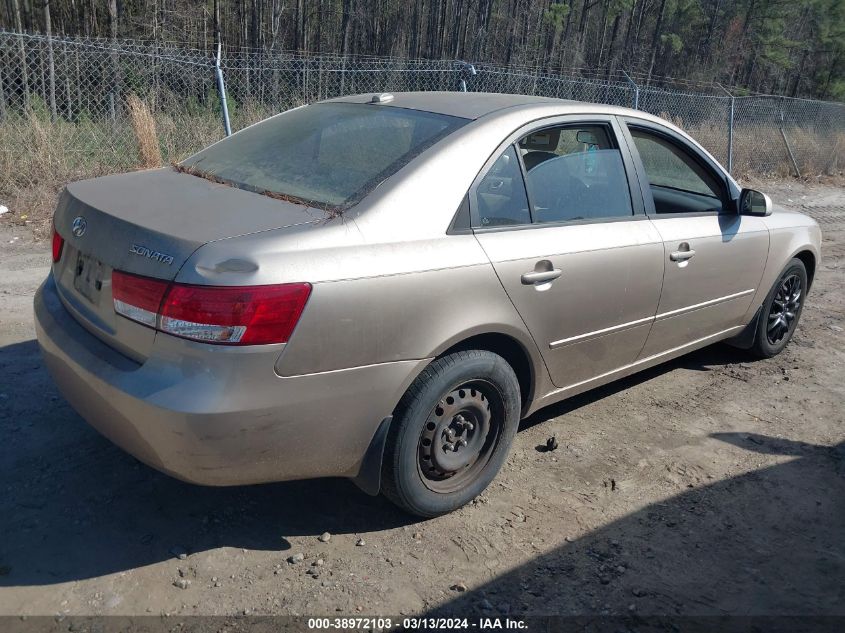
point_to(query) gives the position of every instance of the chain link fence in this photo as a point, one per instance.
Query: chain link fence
(75, 107)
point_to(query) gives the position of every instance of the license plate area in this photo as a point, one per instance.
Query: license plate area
(88, 277)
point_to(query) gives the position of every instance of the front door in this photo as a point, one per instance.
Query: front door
(714, 257)
(574, 252)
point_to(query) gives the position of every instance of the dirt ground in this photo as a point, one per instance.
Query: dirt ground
(711, 485)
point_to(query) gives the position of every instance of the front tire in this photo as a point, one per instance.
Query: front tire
(451, 432)
(781, 311)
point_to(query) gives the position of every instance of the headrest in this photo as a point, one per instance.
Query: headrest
(545, 140)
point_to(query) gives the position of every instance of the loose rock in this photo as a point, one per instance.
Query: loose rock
(296, 558)
(179, 552)
(325, 537)
(182, 583)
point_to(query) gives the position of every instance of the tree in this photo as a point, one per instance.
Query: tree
(794, 46)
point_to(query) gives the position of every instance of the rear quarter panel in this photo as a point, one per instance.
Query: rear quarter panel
(402, 316)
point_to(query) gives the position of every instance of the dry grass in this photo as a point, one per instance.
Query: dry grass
(144, 127)
(35, 163)
(38, 157)
(759, 150)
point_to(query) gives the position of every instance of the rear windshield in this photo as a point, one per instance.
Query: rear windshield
(328, 154)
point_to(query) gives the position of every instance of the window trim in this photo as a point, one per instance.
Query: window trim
(558, 120)
(728, 195)
(523, 172)
(462, 221)
(472, 193)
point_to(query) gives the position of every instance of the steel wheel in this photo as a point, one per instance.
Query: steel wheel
(785, 307)
(451, 432)
(459, 436)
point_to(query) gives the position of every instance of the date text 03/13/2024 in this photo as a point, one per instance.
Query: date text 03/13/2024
(421, 623)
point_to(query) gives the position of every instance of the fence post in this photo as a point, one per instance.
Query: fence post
(730, 128)
(24, 64)
(221, 89)
(51, 61)
(465, 66)
(2, 96)
(786, 141)
(636, 90)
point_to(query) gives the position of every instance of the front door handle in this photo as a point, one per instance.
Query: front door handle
(683, 254)
(541, 276)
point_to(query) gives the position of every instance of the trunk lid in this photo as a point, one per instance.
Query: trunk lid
(148, 223)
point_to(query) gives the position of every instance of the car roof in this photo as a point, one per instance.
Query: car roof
(470, 105)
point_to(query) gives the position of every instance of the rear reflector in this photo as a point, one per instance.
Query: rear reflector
(58, 245)
(227, 315)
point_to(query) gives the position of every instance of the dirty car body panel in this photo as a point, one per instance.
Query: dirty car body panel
(399, 272)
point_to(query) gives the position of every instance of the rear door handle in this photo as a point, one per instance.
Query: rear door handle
(682, 256)
(541, 276)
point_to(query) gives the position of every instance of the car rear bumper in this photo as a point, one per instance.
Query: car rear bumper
(218, 415)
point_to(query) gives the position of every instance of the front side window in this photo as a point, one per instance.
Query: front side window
(575, 172)
(328, 154)
(678, 183)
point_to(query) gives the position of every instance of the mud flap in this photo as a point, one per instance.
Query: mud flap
(745, 339)
(368, 478)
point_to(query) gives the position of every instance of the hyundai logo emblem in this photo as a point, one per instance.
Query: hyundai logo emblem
(79, 225)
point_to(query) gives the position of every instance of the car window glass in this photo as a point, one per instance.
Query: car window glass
(679, 184)
(331, 154)
(500, 195)
(575, 173)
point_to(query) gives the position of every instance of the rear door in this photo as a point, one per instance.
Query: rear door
(577, 256)
(714, 257)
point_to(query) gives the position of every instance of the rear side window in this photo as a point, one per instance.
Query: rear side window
(575, 172)
(328, 154)
(678, 182)
(501, 195)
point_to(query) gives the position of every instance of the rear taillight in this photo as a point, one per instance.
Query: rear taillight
(228, 315)
(137, 298)
(244, 315)
(58, 245)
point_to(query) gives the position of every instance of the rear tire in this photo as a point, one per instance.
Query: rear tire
(451, 432)
(781, 311)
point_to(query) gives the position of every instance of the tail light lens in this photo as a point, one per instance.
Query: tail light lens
(228, 315)
(238, 315)
(58, 245)
(137, 298)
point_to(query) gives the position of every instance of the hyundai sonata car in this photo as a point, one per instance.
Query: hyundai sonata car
(380, 287)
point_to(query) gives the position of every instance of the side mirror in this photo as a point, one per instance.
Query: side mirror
(752, 202)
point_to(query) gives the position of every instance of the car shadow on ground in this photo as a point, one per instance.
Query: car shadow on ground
(767, 542)
(706, 359)
(75, 506)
